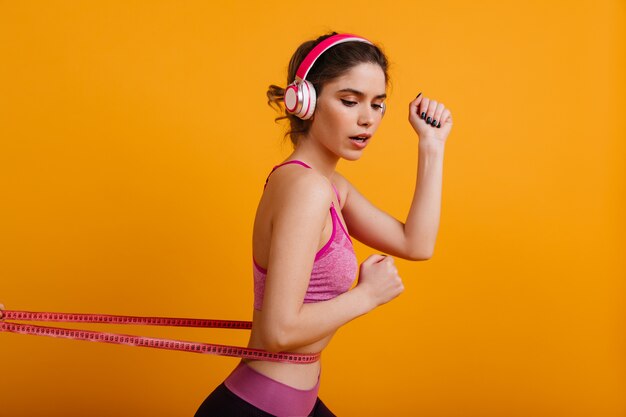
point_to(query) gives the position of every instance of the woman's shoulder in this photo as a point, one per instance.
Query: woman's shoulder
(293, 184)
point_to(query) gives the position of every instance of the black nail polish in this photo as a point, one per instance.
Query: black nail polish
(439, 125)
(423, 115)
(434, 123)
(428, 120)
(418, 95)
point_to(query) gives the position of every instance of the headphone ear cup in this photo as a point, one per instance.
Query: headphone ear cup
(291, 98)
(309, 99)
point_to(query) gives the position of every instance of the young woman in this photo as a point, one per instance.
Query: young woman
(303, 260)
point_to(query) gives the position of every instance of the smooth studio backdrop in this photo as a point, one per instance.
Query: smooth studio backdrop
(135, 140)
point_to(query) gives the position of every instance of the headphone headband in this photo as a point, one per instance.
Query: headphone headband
(300, 97)
(320, 48)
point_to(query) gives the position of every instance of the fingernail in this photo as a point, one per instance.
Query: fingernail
(439, 125)
(423, 114)
(428, 120)
(418, 95)
(434, 123)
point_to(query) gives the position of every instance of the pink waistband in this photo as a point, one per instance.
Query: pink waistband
(270, 395)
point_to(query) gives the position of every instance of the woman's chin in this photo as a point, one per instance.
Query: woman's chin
(352, 155)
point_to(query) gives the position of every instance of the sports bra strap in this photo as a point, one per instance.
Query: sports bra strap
(295, 161)
(336, 192)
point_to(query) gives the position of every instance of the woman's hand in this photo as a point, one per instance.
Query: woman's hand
(430, 119)
(378, 276)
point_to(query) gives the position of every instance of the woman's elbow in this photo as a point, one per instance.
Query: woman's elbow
(275, 338)
(272, 346)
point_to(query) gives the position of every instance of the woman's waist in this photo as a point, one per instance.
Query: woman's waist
(298, 375)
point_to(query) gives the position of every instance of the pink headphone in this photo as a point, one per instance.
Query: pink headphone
(300, 97)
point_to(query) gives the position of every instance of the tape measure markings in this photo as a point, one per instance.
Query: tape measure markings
(142, 341)
(115, 319)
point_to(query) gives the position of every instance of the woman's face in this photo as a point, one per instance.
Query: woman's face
(349, 110)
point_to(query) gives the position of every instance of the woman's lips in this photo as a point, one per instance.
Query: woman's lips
(359, 143)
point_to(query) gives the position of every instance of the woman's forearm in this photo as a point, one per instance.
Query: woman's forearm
(315, 321)
(422, 224)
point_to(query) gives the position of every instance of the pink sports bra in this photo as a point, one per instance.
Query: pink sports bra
(334, 268)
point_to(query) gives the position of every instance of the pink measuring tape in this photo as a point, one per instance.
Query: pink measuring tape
(124, 339)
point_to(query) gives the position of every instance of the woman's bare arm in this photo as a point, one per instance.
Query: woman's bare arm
(302, 205)
(415, 238)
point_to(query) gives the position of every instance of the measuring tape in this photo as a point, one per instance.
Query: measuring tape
(124, 339)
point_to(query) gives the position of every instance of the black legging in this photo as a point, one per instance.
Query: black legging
(223, 403)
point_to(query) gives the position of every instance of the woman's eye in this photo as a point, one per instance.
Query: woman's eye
(377, 106)
(348, 102)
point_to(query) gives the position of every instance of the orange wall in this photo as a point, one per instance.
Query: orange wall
(135, 141)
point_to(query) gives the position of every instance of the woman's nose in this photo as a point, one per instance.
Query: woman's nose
(366, 118)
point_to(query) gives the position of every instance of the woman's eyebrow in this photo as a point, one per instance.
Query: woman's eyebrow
(359, 93)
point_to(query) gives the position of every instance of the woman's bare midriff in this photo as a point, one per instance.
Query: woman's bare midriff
(300, 376)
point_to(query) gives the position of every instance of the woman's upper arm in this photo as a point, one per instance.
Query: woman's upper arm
(371, 225)
(302, 205)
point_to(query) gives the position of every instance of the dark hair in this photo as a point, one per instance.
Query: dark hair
(332, 64)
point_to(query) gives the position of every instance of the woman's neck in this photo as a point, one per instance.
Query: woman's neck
(320, 159)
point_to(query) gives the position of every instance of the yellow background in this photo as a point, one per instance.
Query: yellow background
(135, 141)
